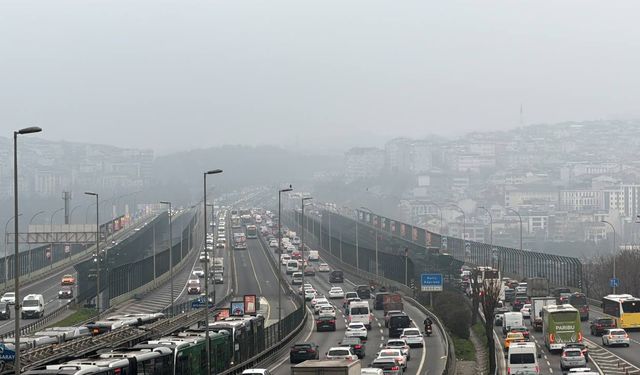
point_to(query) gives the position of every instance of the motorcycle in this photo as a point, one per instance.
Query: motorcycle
(427, 330)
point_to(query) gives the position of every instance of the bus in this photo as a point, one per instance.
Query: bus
(579, 301)
(235, 222)
(252, 231)
(624, 307)
(239, 241)
(560, 325)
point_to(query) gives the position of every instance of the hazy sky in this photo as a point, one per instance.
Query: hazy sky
(172, 75)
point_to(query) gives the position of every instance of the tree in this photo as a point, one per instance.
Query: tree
(489, 297)
(476, 288)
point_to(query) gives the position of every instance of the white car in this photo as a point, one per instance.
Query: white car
(303, 287)
(371, 371)
(615, 336)
(396, 354)
(320, 300)
(399, 344)
(327, 310)
(256, 371)
(220, 244)
(319, 305)
(356, 330)
(336, 292)
(273, 244)
(291, 249)
(9, 298)
(526, 311)
(310, 294)
(198, 271)
(341, 352)
(324, 267)
(284, 259)
(413, 337)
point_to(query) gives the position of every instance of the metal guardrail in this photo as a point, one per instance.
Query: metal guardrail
(26, 329)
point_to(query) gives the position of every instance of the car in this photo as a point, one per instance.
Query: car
(511, 338)
(394, 353)
(389, 366)
(388, 315)
(572, 357)
(364, 291)
(304, 286)
(324, 267)
(327, 310)
(583, 371)
(615, 336)
(371, 371)
(199, 272)
(290, 249)
(284, 259)
(598, 326)
(319, 305)
(256, 371)
(584, 348)
(356, 330)
(193, 286)
(210, 246)
(310, 294)
(357, 346)
(296, 278)
(498, 319)
(9, 297)
(218, 278)
(347, 297)
(309, 271)
(526, 311)
(65, 293)
(399, 344)
(5, 311)
(220, 244)
(341, 352)
(273, 244)
(336, 292)
(521, 329)
(68, 280)
(325, 323)
(413, 337)
(319, 299)
(304, 351)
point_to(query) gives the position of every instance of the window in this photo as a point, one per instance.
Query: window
(359, 311)
(631, 306)
(522, 358)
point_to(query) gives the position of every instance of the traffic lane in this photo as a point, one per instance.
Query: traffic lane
(628, 354)
(548, 362)
(267, 277)
(267, 251)
(380, 336)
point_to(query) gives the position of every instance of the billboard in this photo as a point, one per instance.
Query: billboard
(250, 306)
(222, 314)
(237, 308)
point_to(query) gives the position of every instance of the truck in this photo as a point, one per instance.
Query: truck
(392, 301)
(239, 241)
(218, 265)
(537, 287)
(327, 367)
(537, 303)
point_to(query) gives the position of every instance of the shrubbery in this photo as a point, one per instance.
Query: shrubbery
(453, 309)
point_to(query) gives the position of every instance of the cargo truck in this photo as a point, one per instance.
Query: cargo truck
(327, 367)
(537, 303)
(392, 301)
(537, 287)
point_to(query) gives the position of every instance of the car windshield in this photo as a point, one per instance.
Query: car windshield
(359, 311)
(30, 303)
(606, 321)
(395, 343)
(617, 332)
(356, 326)
(10, 294)
(388, 353)
(572, 353)
(339, 352)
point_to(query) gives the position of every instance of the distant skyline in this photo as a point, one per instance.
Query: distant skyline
(326, 75)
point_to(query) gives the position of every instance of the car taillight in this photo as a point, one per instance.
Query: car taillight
(579, 336)
(358, 346)
(626, 335)
(565, 354)
(318, 321)
(551, 338)
(537, 369)
(395, 368)
(332, 321)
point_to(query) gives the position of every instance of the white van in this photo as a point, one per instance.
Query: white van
(292, 266)
(359, 312)
(511, 319)
(314, 256)
(522, 358)
(33, 306)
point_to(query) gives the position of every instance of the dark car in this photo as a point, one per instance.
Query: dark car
(397, 323)
(356, 345)
(388, 365)
(364, 291)
(218, 278)
(325, 323)
(5, 311)
(581, 346)
(336, 277)
(377, 304)
(519, 301)
(65, 293)
(309, 271)
(303, 351)
(598, 326)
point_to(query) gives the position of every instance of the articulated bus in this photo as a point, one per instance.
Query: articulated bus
(579, 301)
(252, 231)
(624, 307)
(560, 325)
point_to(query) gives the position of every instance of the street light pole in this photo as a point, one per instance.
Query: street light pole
(206, 269)
(302, 236)
(280, 257)
(357, 244)
(614, 254)
(6, 244)
(213, 251)
(490, 230)
(521, 253)
(16, 258)
(170, 253)
(97, 250)
(51, 233)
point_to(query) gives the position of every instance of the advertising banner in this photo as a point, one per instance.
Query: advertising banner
(222, 314)
(250, 304)
(237, 308)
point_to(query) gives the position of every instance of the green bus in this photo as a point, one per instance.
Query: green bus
(560, 325)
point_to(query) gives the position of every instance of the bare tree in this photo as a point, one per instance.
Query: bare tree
(489, 297)
(476, 288)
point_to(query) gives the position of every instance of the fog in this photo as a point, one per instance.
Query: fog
(324, 75)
